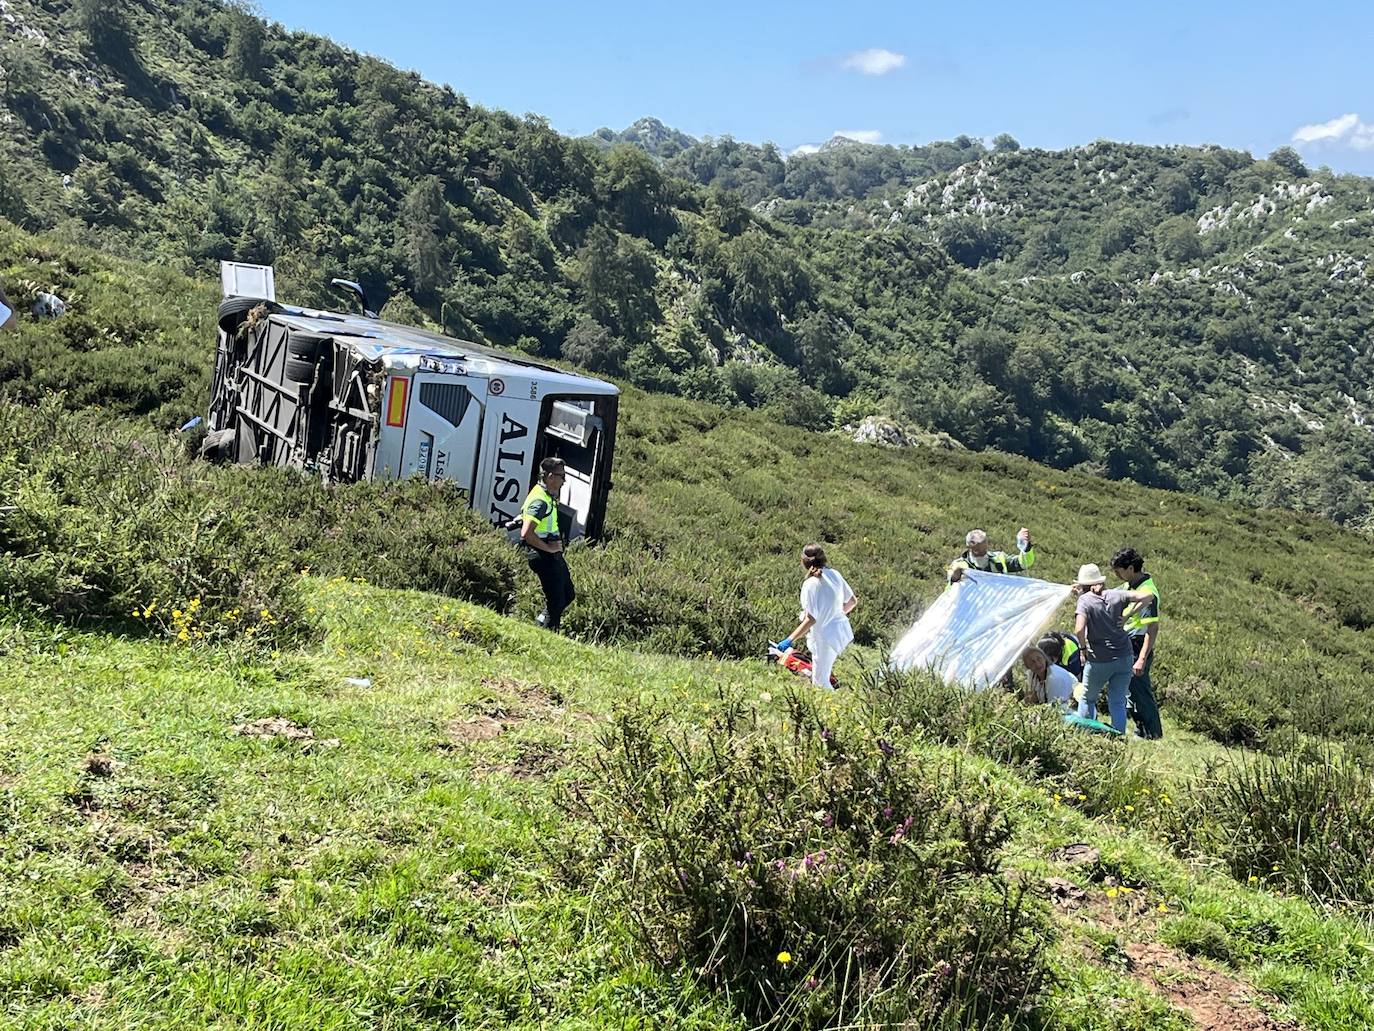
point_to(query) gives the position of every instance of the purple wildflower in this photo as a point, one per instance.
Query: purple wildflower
(886, 748)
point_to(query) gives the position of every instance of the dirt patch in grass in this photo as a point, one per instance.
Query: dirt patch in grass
(509, 703)
(473, 728)
(521, 698)
(536, 760)
(100, 764)
(1215, 1001)
(280, 727)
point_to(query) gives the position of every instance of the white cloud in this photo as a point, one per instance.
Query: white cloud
(1345, 131)
(859, 135)
(875, 61)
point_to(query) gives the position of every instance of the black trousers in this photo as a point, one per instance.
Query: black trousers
(554, 577)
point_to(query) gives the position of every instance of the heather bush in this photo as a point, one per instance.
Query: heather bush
(811, 873)
(111, 527)
(104, 527)
(1302, 820)
(1092, 772)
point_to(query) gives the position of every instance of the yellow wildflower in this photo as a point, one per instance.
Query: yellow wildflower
(784, 958)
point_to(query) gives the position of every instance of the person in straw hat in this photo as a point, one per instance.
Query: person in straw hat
(1098, 624)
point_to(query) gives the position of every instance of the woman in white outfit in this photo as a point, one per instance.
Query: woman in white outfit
(826, 602)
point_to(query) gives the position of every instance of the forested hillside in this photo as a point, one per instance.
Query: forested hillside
(1190, 318)
(545, 830)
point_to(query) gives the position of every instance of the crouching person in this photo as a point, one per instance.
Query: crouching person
(539, 532)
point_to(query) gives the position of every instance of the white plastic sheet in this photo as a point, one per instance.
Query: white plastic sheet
(978, 628)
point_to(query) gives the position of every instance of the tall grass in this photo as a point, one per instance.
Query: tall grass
(1302, 820)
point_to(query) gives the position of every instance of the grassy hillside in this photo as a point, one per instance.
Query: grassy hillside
(254, 774)
(1184, 317)
(710, 511)
(388, 828)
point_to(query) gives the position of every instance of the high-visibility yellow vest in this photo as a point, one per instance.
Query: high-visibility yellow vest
(1134, 623)
(546, 528)
(998, 562)
(1070, 650)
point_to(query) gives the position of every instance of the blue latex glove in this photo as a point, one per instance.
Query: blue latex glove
(784, 644)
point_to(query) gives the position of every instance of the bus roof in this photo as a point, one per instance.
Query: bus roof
(377, 340)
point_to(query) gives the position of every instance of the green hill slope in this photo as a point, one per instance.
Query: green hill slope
(710, 511)
(1185, 317)
(382, 830)
(243, 784)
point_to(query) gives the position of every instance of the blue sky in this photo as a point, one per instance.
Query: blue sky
(1253, 76)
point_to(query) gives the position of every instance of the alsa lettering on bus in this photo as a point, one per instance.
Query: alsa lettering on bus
(510, 468)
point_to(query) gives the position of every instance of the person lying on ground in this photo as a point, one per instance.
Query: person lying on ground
(979, 557)
(1097, 623)
(1047, 683)
(826, 602)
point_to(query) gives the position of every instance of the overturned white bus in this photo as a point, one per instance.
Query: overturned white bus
(350, 397)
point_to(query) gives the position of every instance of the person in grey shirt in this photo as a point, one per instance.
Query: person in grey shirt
(1098, 624)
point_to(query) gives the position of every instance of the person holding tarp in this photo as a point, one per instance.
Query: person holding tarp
(979, 557)
(1098, 624)
(826, 602)
(1142, 624)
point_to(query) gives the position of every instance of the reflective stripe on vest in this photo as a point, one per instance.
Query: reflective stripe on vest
(1070, 650)
(1135, 623)
(548, 526)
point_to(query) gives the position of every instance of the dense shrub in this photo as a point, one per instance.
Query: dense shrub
(119, 528)
(1302, 820)
(110, 528)
(810, 872)
(409, 533)
(1095, 774)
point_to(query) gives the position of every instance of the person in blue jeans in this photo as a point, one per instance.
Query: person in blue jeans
(1098, 624)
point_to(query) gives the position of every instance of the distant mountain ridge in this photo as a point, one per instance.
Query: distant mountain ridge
(649, 135)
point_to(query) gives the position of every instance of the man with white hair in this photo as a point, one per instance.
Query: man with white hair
(979, 557)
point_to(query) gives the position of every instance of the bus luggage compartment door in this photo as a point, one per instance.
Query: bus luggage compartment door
(443, 435)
